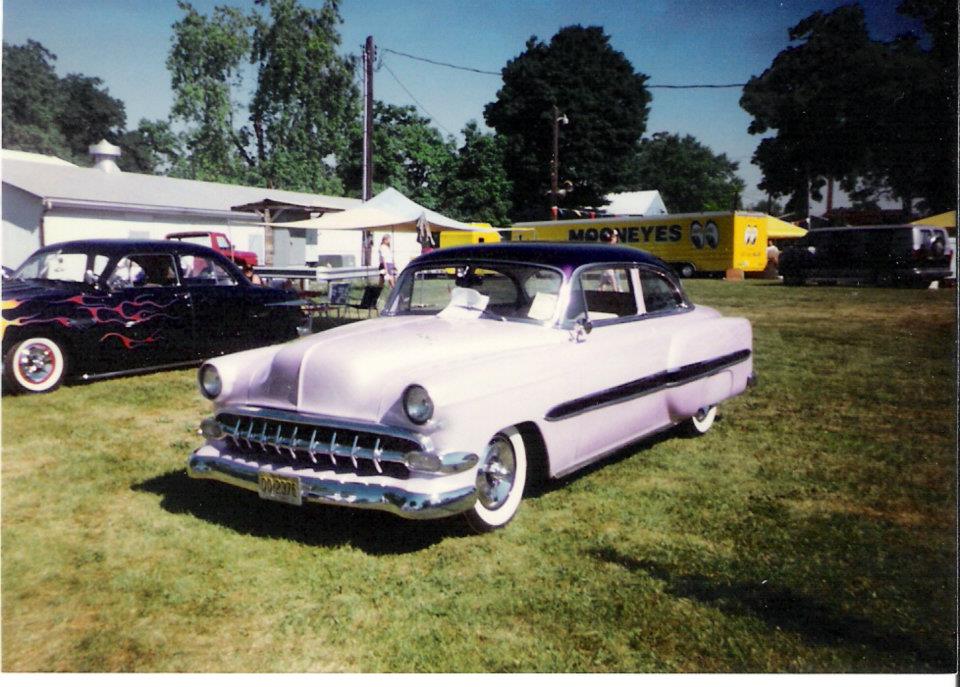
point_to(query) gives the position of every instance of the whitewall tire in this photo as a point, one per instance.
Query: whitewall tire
(35, 365)
(701, 422)
(501, 477)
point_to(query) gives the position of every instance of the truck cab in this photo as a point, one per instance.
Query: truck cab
(219, 242)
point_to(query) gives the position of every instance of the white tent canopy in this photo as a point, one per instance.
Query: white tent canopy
(389, 210)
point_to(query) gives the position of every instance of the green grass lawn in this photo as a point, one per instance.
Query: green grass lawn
(813, 529)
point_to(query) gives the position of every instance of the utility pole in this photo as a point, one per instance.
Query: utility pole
(558, 119)
(369, 54)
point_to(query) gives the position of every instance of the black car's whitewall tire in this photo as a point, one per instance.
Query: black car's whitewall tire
(501, 477)
(35, 365)
(701, 422)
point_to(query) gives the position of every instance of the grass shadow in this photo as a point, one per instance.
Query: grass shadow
(374, 532)
(784, 609)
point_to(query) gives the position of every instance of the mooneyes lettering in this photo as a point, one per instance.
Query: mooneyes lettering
(661, 233)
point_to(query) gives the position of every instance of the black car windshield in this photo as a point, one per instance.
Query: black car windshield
(518, 292)
(56, 265)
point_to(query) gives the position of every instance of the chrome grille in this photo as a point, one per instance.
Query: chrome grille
(310, 442)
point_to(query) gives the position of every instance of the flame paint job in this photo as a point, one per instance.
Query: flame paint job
(103, 331)
(129, 342)
(140, 309)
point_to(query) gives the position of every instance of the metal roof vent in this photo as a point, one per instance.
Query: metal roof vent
(105, 156)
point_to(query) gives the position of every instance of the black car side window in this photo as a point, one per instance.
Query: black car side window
(134, 271)
(205, 270)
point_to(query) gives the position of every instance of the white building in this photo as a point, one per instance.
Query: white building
(47, 200)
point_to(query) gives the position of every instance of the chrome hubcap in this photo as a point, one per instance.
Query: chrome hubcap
(36, 363)
(497, 474)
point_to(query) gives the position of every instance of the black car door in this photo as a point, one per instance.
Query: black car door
(219, 296)
(145, 317)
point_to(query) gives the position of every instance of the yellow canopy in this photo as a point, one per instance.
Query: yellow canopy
(947, 220)
(778, 229)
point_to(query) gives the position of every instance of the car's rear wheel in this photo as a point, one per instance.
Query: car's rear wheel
(501, 477)
(701, 422)
(35, 365)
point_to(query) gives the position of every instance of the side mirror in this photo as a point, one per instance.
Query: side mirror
(581, 328)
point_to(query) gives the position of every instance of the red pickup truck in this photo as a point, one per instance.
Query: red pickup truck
(219, 242)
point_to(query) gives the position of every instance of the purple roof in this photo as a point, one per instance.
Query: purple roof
(565, 256)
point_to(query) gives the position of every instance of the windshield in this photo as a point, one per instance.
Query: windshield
(55, 265)
(524, 293)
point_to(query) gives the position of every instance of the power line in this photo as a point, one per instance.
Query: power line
(699, 85)
(485, 71)
(407, 91)
(442, 64)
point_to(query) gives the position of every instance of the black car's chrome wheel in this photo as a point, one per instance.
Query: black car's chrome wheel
(35, 365)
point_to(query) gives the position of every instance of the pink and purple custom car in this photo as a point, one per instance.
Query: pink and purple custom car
(489, 365)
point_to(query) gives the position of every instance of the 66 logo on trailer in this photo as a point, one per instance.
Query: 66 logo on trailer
(750, 234)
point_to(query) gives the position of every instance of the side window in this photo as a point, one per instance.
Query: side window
(143, 270)
(659, 295)
(205, 270)
(604, 293)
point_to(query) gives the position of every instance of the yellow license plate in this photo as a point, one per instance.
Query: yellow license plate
(279, 488)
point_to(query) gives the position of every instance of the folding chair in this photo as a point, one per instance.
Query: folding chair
(369, 299)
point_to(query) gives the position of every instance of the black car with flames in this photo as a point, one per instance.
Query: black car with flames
(99, 308)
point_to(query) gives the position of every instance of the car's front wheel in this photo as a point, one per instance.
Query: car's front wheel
(501, 477)
(35, 365)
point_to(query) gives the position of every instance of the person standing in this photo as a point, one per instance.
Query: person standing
(388, 270)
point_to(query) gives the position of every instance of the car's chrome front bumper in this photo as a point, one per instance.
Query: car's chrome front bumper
(412, 503)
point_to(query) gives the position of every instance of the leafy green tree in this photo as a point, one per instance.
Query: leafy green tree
(294, 127)
(43, 113)
(408, 154)
(879, 117)
(918, 157)
(606, 104)
(769, 206)
(689, 176)
(32, 100)
(820, 98)
(477, 189)
(151, 148)
(90, 113)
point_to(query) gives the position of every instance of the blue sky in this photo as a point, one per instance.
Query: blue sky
(125, 43)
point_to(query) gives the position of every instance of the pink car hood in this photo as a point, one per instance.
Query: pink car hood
(359, 370)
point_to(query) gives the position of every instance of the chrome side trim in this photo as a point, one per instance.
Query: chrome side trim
(646, 385)
(87, 376)
(401, 502)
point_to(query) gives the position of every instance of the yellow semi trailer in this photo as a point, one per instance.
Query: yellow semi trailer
(707, 242)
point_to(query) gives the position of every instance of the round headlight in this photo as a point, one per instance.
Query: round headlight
(417, 404)
(210, 383)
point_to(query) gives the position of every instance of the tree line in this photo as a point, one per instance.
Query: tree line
(265, 98)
